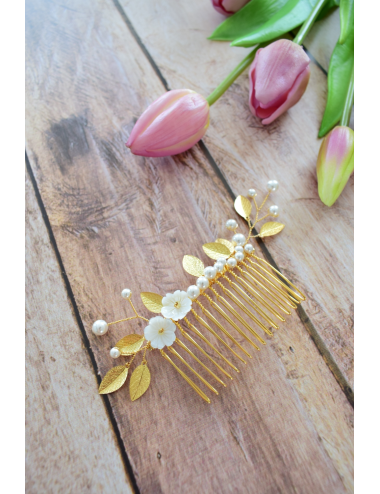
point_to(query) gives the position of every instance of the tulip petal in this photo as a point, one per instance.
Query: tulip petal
(295, 94)
(175, 128)
(278, 78)
(277, 67)
(335, 163)
(228, 7)
(154, 109)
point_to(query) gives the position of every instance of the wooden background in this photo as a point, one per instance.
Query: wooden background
(100, 219)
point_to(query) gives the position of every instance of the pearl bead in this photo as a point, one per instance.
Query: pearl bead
(249, 248)
(239, 248)
(252, 193)
(126, 293)
(274, 210)
(239, 256)
(221, 260)
(238, 238)
(202, 283)
(219, 267)
(231, 224)
(193, 292)
(100, 327)
(115, 352)
(232, 262)
(272, 185)
(210, 272)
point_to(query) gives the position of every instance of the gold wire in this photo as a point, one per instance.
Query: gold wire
(257, 296)
(283, 285)
(203, 338)
(191, 340)
(227, 318)
(136, 316)
(246, 311)
(266, 292)
(261, 219)
(184, 347)
(230, 321)
(302, 296)
(214, 333)
(206, 383)
(247, 299)
(187, 379)
(240, 319)
(224, 331)
(272, 298)
(284, 297)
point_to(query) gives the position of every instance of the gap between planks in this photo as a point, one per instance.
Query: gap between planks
(86, 343)
(305, 320)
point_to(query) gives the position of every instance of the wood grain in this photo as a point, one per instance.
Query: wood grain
(317, 250)
(70, 444)
(322, 39)
(284, 425)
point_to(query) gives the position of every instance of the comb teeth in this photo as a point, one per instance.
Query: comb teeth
(253, 287)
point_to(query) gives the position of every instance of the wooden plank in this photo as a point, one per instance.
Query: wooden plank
(70, 444)
(121, 220)
(322, 39)
(317, 251)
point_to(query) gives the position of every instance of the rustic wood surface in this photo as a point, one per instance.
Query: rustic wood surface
(116, 220)
(70, 445)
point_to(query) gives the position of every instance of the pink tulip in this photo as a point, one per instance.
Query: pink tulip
(278, 78)
(335, 163)
(228, 7)
(170, 125)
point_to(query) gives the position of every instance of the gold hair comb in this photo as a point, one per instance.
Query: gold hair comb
(238, 280)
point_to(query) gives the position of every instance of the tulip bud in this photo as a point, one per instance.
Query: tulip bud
(170, 125)
(278, 77)
(228, 7)
(335, 163)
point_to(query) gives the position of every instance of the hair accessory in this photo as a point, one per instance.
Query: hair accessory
(238, 280)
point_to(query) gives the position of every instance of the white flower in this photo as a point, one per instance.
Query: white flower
(160, 332)
(176, 305)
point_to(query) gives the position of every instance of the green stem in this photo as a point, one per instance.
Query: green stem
(307, 25)
(346, 115)
(224, 85)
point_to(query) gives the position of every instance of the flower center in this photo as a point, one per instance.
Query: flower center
(176, 304)
(161, 330)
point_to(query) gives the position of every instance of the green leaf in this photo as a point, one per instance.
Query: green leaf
(338, 80)
(291, 15)
(346, 19)
(247, 19)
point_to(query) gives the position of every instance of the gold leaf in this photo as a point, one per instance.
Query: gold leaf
(113, 380)
(152, 301)
(243, 206)
(140, 380)
(216, 250)
(193, 265)
(271, 228)
(130, 344)
(227, 243)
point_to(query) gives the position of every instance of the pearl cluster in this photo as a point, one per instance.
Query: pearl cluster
(242, 248)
